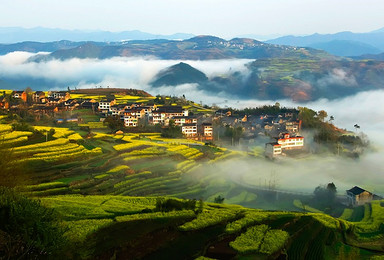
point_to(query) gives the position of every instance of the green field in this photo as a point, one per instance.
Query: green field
(120, 226)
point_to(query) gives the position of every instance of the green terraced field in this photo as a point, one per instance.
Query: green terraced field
(247, 233)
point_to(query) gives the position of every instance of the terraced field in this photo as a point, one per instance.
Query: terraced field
(117, 221)
(98, 226)
(132, 164)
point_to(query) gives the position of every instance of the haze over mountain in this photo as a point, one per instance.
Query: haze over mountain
(355, 43)
(40, 34)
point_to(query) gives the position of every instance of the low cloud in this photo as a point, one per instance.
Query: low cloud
(339, 77)
(115, 72)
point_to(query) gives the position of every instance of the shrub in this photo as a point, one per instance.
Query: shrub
(27, 229)
(174, 204)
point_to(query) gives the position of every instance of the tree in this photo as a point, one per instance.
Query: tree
(114, 123)
(29, 91)
(172, 131)
(308, 117)
(356, 126)
(219, 199)
(322, 115)
(234, 133)
(326, 196)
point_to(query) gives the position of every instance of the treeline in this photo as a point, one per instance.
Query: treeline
(263, 110)
(327, 134)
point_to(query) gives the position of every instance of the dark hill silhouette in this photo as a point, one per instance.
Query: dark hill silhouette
(179, 74)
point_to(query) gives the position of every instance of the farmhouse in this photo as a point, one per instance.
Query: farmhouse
(189, 130)
(284, 142)
(272, 149)
(162, 115)
(105, 104)
(181, 120)
(207, 131)
(290, 142)
(358, 196)
(59, 95)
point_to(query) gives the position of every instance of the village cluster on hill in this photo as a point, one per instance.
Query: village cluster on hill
(284, 128)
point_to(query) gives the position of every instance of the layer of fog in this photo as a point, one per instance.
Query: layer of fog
(120, 72)
(364, 109)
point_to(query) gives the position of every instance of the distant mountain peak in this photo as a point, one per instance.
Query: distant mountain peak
(207, 38)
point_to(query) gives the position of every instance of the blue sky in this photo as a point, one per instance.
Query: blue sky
(225, 18)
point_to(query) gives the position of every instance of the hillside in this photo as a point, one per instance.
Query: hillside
(345, 48)
(287, 78)
(38, 46)
(121, 227)
(377, 57)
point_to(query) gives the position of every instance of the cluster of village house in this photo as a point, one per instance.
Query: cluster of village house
(283, 126)
(130, 114)
(284, 129)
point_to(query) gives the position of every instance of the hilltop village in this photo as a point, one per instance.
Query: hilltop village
(132, 110)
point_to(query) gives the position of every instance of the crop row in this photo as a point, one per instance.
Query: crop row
(187, 152)
(250, 218)
(77, 231)
(54, 148)
(94, 125)
(250, 241)
(127, 146)
(373, 218)
(153, 150)
(59, 157)
(260, 239)
(75, 137)
(118, 169)
(152, 185)
(5, 128)
(157, 215)
(57, 143)
(43, 186)
(185, 165)
(14, 142)
(14, 135)
(210, 218)
(60, 132)
(96, 207)
(72, 150)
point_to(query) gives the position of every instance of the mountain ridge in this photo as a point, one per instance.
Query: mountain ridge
(18, 34)
(197, 48)
(374, 39)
